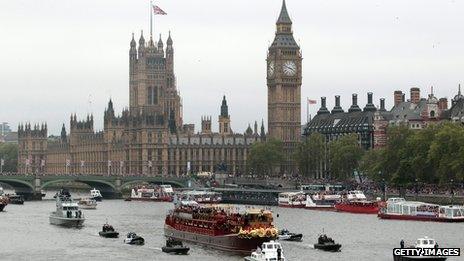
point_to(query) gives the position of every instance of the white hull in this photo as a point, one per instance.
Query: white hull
(66, 222)
(88, 207)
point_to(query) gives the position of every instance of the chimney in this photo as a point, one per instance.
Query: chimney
(337, 108)
(443, 104)
(354, 106)
(382, 104)
(369, 106)
(323, 108)
(398, 97)
(415, 95)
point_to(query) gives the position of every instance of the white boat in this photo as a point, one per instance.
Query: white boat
(292, 199)
(355, 195)
(67, 211)
(269, 251)
(157, 193)
(87, 203)
(424, 242)
(322, 201)
(399, 208)
(95, 194)
(202, 197)
(133, 239)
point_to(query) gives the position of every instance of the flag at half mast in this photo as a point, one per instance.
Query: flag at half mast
(158, 11)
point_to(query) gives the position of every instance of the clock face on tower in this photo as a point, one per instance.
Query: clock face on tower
(289, 68)
(270, 68)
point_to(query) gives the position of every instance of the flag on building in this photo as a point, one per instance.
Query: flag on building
(68, 162)
(2, 162)
(312, 101)
(82, 163)
(109, 163)
(158, 11)
(42, 163)
(27, 161)
(121, 164)
(150, 164)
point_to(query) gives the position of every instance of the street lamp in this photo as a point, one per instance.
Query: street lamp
(452, 191)
(416, 188)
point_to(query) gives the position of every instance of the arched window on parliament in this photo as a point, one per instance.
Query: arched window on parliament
(149, 96)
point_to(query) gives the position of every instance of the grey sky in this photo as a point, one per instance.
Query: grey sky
(56, 56)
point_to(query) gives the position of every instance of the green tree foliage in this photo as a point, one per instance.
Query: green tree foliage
(431, 155)
(265, 157)
(9, 153)
(344, 155)
(310, 155)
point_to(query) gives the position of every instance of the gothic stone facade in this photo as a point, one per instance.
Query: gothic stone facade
(148, 138)
(284, 62)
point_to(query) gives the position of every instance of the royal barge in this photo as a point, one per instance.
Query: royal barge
(220, 227)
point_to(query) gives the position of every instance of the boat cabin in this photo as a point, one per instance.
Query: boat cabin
(270, 251)
(425, 242)
(355, 195)
(289, 197)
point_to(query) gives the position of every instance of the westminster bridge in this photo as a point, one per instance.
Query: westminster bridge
(31, 186)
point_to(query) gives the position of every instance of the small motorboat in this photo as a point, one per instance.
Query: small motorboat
(133, 239)
(327, 244)
(269, 251)
(424, 242)
(284, 234)
(108, 231)
(174, 246)
(95, 194)
(87, 203)
(15, 199)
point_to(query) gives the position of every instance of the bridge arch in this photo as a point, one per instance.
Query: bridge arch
(19, 185)
(93, 183)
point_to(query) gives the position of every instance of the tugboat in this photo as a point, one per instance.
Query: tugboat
(327, 244)
(174, 246)
(67, 211)
(221, 227)
(268, 251)
(133, 239)
(87, 203)
(424, 242)
(284, 234)
(15, 199)
(95, 194)
(108, 231)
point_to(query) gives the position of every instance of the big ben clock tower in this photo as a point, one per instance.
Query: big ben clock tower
(284, 88)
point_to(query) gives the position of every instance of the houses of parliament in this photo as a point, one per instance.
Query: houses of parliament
(150, 137)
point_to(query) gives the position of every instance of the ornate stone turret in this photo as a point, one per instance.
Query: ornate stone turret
(63, 134)
(224, 118)
(206, 125)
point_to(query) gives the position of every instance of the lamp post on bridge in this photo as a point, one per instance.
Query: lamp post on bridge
(109, 167)
(82, 166)
(68, 163)
(2, 162)
(121, 164)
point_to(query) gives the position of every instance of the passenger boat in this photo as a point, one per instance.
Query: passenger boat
(158, 193)
(3, 200)
(355, 202)
(399, 208)
(15, 199)
(67, 211)
(87, 203)
(292, 199)
(220, 227)
(268, 251)
(322, 201)
(95, 194)
(424, 242)
(202, 197)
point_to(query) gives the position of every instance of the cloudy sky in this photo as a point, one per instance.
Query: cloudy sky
(59, 57)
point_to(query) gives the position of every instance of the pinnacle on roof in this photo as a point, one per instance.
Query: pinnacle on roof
(284, 18)
(169, 41)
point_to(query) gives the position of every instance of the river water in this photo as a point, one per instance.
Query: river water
(25, 234)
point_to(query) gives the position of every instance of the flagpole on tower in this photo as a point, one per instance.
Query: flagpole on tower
(151, 19)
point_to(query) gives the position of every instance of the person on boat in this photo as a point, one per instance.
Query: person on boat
(436, 245)
(279, 254)
(402, 243)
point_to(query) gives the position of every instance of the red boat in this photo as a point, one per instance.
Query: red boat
(220, 227)
(355, 202)
(360, 207)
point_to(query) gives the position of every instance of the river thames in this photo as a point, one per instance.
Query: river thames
(25, 234)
